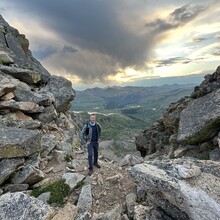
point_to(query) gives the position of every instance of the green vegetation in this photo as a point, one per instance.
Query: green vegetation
(124, 111)
(59, 190)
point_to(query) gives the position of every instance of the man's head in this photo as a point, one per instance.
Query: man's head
(92, 118)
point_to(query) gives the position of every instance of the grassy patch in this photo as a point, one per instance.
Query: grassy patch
(59, 190)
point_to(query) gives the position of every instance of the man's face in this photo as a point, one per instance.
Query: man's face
(92, 118)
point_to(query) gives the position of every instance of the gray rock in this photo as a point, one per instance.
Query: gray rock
(13, 43)
(48, 144)
(49, 114)
(58, 156)
(7, 84)
(136, 160)
(200, 120)
(13, 105)
(16, 187)
(18, 142)
(1, 192)
(31, 124)
(25, 75)
(187, 172)
(62, 91)
(20, 206)
(85, 199)
(44, 197)
(194, 197)
(36, 65)
(73, 179)
(113, 214)
(29, 174)
(24, 93)
(130, 203)
(5, 58)
(66, 148)
(215, 154)
(141, 212)
(8, 167)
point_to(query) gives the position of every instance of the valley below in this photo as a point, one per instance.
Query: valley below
(124, 112)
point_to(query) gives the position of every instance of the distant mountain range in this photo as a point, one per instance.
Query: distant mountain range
(137, 102)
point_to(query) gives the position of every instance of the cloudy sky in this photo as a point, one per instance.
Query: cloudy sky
(117, 42)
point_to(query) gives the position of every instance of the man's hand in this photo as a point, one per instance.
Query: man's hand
(88, 142)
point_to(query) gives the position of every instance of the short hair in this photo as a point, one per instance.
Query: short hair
(92, 115)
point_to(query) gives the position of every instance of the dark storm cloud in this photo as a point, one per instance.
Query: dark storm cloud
(102, 33)
(41, 54)
(172, 61)
(178, 17)
(69, 49)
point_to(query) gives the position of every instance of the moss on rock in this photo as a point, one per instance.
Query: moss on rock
(59, 190)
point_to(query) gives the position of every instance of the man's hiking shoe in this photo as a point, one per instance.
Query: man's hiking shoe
(90, 172)
(97, 165)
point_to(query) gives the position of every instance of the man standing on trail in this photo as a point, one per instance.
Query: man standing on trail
(90, 135)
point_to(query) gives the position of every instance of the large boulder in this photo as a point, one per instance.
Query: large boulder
(183, 189)
(20, 206)
(62, 91)
(200, 120)
(24, 93)
(17, 142)
(25, 75)
(8, 167)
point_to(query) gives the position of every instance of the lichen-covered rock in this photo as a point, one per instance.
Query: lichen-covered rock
(20, 206)
(8, 167)
(62, 91)
(25, 75)
(200, 120)
(183, 189)
(17, 142)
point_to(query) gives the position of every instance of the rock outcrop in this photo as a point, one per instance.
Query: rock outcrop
(183, 189)
(34, 122)
(188, 187)
(188, 127)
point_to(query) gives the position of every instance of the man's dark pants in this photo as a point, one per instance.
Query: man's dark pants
(93, 147)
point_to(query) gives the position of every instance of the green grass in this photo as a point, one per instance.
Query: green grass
(59, 190)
